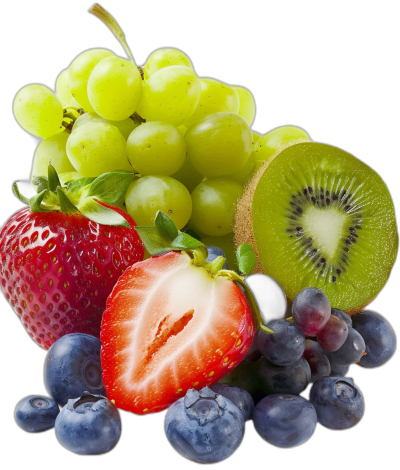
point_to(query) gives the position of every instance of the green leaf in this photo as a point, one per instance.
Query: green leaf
(101, 214)
(111, 187)
(53, 178)
(77, 185)
(41, 183)
(185, 242)
(166, 226)
(35, 202)
(22, 198)
(65, 204)
(154, 240)
(193, 234)
(246, 258)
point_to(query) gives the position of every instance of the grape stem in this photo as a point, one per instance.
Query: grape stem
(113, 26)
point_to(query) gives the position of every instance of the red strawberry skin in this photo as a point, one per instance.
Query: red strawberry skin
(57, 270)
(168, 327)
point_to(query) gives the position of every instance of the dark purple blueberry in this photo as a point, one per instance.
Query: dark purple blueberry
(268, 295)
(311, 310)
(213, 253)
(204, 426)
(291, 379)
(338, 402)
(379, 337)
(317, 360)
(241, 398)
(285, 346)
(88, 425)
(72, 366)
(351, 351)
(285, 420)
(244, 376)
(343, 316)
(333, 335)
(337, 370)
(36, 413)
(253, 353)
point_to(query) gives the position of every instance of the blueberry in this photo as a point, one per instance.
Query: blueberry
(204, 426)
(317, 360)
(244, 376)
(214, 252)
(253, 353)
(343, 316)
(337, 401)
(338, 370)
(88, 425)
(72, 366)
(36, 413)
(241, 398)
(351, 351)
(285, 420)
(379, 337)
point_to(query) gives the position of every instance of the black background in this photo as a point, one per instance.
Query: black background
(330, 72)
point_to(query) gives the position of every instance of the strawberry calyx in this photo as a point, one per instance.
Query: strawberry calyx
(94, 198)
(164, 237)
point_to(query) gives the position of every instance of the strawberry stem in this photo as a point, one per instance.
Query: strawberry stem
(215, 265)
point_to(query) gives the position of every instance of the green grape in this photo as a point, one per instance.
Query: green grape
(38, 110)
(269, 143)
(115, 88)
(97, 148)
(125, 126)
(79, 73)
(214, 205)
(188, 175)
(227, 246)
(52, 150)
(69, 176)
(170, 95)
(247, 107)
(219, 144)
(165, 58)
(182, 129)
(156, 148)
(241, 175)
(62, 88)
(256, 138)
(215, 97)
(148, 194)
(74, 103)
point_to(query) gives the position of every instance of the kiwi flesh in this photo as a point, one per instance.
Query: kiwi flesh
(317, 216)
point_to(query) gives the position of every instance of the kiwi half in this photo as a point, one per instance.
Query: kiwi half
(317, 216)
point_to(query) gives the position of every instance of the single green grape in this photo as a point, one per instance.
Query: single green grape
(125, 126)
(38, 111)
(52, 150)
(97, 148)
(170, 95)
(115, 88)
(214, 205)
(241, 175)
(269, 143)
(69, 176)
(79, 72)
(149, 194)
(62, 88)
(156, 148)
(227, 246)
(165, 58)
(74, 103)
(247, 107)
(256, 137)
(188, 175)
(215, 97)
(219, 144)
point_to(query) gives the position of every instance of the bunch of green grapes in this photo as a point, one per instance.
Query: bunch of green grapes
(187, 139)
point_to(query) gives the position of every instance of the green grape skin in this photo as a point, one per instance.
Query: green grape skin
(38, 111)
(115, 88)
(216, 97)
(156, 148)
(270, 142)
(79, 72)
(241, 176)
(219, 144)
(227, 245)
(52, 150)
(62, 88)
(256, 138)
(74, 103)
(188, 175)
(162, 58)
(125, 126)
(148, 194)
(69, 176)
(170, 95)
(214, 205)
(97, 148)
(182, 129)
(247, 107)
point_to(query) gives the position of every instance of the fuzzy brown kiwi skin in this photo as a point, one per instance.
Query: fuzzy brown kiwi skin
(243, 225)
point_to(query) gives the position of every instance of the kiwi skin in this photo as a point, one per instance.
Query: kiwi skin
(243, 224)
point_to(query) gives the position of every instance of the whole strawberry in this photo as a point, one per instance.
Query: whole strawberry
(57, 266)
